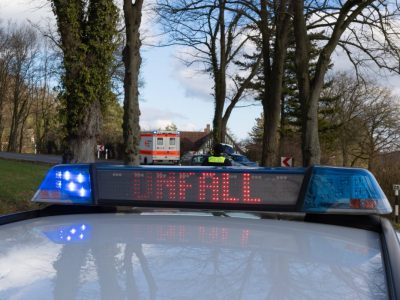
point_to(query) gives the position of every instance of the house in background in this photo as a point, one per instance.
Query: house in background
(200, 142)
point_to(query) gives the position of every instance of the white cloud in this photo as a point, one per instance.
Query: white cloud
(195, 83)
(38, 11)
(154, 118)
(163, 123)
(151, 113)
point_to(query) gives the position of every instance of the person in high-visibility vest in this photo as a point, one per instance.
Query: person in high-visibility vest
(217, 158)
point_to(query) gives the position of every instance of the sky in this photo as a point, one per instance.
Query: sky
(172, 93)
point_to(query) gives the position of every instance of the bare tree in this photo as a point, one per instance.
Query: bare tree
(45, 106)
(214, 37)
(272, 19)
(364, 29)
(23, 44)
(363, 117)
(5, 64)
(343, 116)
(132, 61)
(380, 124)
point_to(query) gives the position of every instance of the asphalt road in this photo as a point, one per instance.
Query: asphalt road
(43, 158)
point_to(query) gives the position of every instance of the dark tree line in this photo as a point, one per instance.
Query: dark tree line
(28, 107)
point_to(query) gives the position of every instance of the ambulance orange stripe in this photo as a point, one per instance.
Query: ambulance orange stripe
(160, 135)
(159, 152)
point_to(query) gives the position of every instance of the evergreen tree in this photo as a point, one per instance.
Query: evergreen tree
(254, 143)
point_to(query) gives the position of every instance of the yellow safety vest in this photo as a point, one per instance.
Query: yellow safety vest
(216, 159)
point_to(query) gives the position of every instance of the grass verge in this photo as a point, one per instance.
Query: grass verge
(18, 183)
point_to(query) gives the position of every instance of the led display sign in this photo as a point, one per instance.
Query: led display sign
(199, 187)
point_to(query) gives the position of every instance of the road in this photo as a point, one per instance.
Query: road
(43, 158)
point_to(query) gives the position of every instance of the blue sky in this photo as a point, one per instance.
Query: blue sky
(171, 94)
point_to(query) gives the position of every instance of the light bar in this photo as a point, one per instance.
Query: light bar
(66, 184)
(338, 190)
(314, 190)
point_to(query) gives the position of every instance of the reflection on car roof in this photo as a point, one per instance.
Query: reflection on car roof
(193, 257)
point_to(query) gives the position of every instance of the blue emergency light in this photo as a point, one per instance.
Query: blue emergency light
(314, 190)
(66, 184)
(333, 190)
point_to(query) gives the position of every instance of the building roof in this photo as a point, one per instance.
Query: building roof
(201, 141)
(193, 140)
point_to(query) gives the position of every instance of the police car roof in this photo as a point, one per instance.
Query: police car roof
(334, 247)
(175, 256)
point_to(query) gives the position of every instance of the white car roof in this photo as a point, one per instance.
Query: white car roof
(172, 256)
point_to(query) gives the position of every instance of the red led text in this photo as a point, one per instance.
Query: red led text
(194, 187)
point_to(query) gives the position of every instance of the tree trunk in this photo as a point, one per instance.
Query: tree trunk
(282, 131)
(21, 137)
(345, 156)
(82, 146)
(302, 61)
(266, 65)
(4, 86)
(218, 109)
(3, 91)
(270, 140)
(132, 61)
(273, 95)
(13, 138)
(309, 95)
(87, 30)
(220, 79)
(1, 137)
(310, 90)
(217, 122)
(311, 145)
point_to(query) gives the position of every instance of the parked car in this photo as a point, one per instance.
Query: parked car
(228, 149)
(243, 160)
(186, 159)
(197, 160)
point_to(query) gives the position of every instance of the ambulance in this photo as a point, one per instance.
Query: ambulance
(159, 147)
